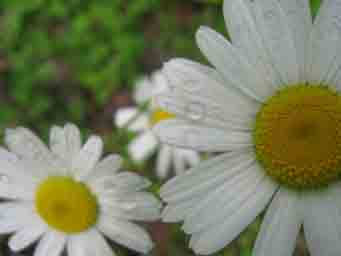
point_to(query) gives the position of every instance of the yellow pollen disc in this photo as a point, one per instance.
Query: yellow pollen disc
(297, 136)
(66, 205)
(159, 115)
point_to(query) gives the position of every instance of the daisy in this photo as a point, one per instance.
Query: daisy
(65, 197)
(146, 144)
(273, 105)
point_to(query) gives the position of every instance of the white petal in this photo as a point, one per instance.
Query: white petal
(26, 236)
(51, 244)
(40, 169)
(143, 146)
(161, 84)
(232, 64)
(124, 181)
(143, 90)
(24, 143)
(326, 38)
(15, 216)
(57, 139)
(223, 233)
(164, 160)
(65, 142)
(242, 27)
(132, 206)
(131, 181)
(137, 121)
(281, 225)
(17, 179)
(179, 162)
(214, 208)
(200, 109)
(300, 21)
(7, 156)
(10, 164)
(200, 95)
(178, 211)
(132, 214)
(126, 233)
(278, 38)
(200, 174)
(191, 157)
(90, 243)
(16, 208)
(108, 166)
(183, 134)
(322, 222)
(17, 189)
(8, 226)
(147, 88)
(181, 159)
(205, 177)
(336, 80)
(192, 77)
(87, 158)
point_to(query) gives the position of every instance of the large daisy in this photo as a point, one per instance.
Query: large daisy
(273, 105)
(146, 143)
(66, 197)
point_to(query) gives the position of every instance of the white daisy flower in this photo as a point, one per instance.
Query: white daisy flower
(66, 197)
(273, 105)
(146, 143)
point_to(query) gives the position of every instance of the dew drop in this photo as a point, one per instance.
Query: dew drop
(130, 206)
(4, 178)
(196, 111)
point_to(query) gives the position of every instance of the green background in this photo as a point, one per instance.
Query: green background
(77, 60)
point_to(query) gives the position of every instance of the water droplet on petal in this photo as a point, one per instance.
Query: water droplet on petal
(129, 206)
(4, 178)
(196, 110)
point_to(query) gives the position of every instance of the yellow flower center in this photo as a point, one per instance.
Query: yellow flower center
(66, 205)
(297, 136)
(159, 115)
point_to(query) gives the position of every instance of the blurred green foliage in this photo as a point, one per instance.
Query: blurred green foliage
(61, 52)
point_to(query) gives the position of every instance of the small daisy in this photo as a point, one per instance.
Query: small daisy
(147, 143)
(273, 105)
(65, 197)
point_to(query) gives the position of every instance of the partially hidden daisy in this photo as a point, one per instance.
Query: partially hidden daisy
(273, 105)
(66, 198)
(146, 143)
